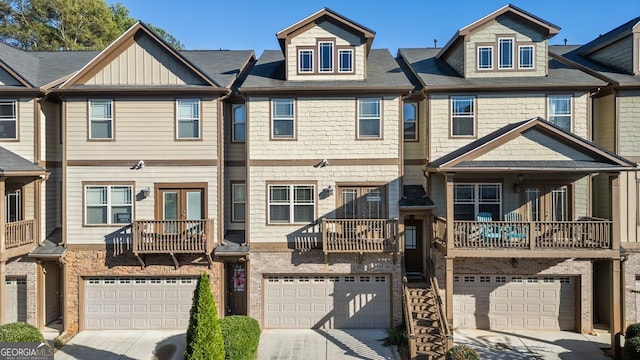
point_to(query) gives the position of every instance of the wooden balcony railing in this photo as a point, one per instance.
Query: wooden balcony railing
(19, 233)
(173, 236)
(359, 235)
(534, 235)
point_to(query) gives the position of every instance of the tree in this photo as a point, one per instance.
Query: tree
(66, 24)
(204, 334)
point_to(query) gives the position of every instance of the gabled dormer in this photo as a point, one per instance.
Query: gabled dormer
(326, 46)
(509, 42)
(618, 49)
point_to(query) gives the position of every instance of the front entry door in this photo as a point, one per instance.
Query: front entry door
(413, 246)
(236, 288)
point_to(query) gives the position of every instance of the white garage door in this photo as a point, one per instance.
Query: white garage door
(637, 294)
(323, 301)
(16, 299)
(138, 303)
(514, 302)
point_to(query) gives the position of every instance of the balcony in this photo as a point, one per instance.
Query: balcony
(173, 237)
(19, 238)
(360, 236)
(557, 237)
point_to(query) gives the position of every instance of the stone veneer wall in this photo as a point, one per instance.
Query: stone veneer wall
(266, 262)
(561, 267)
(26, 267)
(81, 263)
(631, 268)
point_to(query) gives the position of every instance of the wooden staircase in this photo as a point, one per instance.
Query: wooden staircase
(429, 336)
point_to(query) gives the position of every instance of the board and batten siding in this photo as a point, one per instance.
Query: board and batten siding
(141, 179)
(325, 30)
(143, 129)
(494, 111)
(326, 129)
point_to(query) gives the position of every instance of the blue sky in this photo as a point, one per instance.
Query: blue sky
(252, 24)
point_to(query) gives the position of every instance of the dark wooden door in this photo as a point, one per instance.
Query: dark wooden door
(237, 281)
(413, 246)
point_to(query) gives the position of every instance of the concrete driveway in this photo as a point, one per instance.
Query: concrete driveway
(324, 344)
(509, 345)
(124, 345)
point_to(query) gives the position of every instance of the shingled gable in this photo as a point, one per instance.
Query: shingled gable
(545, 27)
(463, 158)
(120, 45)
(329, 15)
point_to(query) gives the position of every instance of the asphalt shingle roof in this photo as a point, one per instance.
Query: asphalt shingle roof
(12, 162)
(435, 73)
(222, 65)
(383, 71)
(415, 196)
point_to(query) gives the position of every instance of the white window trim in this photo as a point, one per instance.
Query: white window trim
(476, 197)
(292, 204)
(234, 122)
(533, 57)
(340, 60)
(513, 43)
(490, 47)
(472, 116)
(292, 119)
(332, 57)
(198, 120)
(108, 205)
(234, 202)
(300, 70)
(415, 121)
(91, 119)
(549, 114)
(379, 118)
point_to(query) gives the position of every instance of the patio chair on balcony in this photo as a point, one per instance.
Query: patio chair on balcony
(515, 231)
(488, 231)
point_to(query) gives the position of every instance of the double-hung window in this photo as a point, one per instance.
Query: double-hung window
(560, 111)
(345, 60)
(471, 199)
(188, 119)
(238, 202)
(409, 115)
(305, 60)
(505, 53)
(485, 57)
(8, 119)
(239, 119)
(463, 116)
(282, 118)
(369, 118)
(525, 56)
(100, 119)
(325, 56)
(108, 204)
(289, 204)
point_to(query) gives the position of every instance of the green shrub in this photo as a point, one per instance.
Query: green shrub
(631, 349)
(462, 352)
(20, 332)
(396, 336)
(204, 335)
(241, 336)
(633, 330)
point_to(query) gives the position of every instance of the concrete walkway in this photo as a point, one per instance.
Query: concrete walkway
(124, 345)
(527, 345)
(324, 344)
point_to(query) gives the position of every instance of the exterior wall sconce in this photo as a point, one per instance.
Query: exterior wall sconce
(514, 263)
(143, 194)
(516, 186)
(329, 190)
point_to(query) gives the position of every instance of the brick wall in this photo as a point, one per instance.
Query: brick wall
(631, 268)
(25, 267)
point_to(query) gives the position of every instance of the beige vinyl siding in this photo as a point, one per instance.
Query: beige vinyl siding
(418, 149)
(326, 129)
(604, 121)
(506, 26)
(233, 151)
(455, 58)
(51, 149)
(144, 129)
(618, 55)
(494, 111)
(323, 30)
(233, 174)
(51, 200)
(8, 80)
(628, 124)
(602, 197)
(144, 63)
(26, 122)
(325, 177)
(143, 209)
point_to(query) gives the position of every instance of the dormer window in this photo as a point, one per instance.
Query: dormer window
(345, 60)
(485, 57)
(305, 61)
(325, 56)
(525, 56)
(505, 53)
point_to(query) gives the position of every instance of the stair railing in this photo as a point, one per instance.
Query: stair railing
(445, 331)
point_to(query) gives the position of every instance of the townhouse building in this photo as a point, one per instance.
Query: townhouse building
(325, 184)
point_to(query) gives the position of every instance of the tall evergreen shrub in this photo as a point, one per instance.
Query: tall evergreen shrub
(204, 335)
